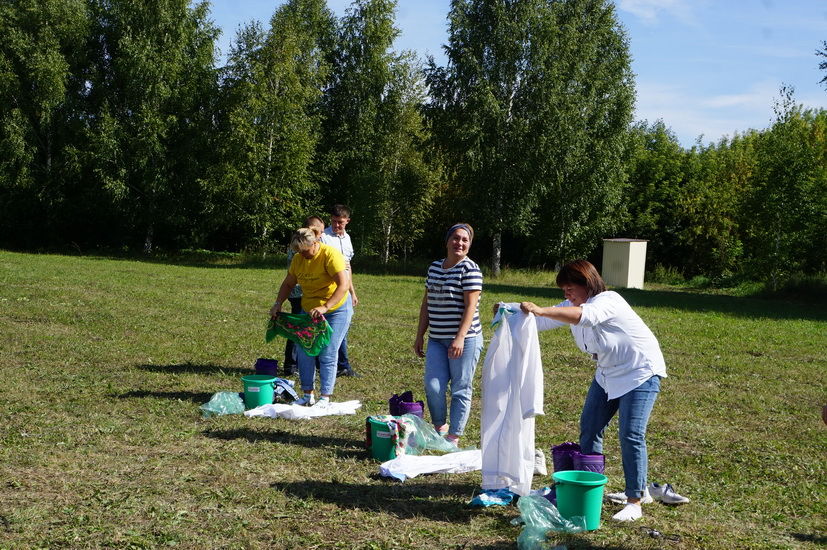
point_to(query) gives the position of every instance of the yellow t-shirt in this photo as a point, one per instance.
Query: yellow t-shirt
(316, 276)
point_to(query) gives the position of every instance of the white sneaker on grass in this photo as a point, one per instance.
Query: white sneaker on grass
(540, 463)
(322, 403)
(305, 401)
(621, 498)
(630, 512)
(666, 494)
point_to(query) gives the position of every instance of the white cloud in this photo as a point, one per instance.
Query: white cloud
(650, 10)
(758, 96)
(691, 115)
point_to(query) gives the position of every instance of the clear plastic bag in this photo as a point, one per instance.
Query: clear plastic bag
(425, 438)
(541, 516)
(223, 402)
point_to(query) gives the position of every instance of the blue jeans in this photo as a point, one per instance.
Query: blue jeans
(635, 408)
(440, 370)
(339, 321)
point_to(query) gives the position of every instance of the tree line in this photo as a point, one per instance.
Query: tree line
(119, 128)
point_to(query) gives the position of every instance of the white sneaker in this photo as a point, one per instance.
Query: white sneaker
(540, 463)
(305, 401)
(621, 498)
(322, 403)
(666, 494)
(630, 512)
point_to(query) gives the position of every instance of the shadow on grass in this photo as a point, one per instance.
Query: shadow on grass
(754, 308)
(820, 540)
(194, 368)
(193, 258)
(437, 501)
(195, 397)
(280, 436)
(236, 260)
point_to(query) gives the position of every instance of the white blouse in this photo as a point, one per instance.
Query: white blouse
(626, 351)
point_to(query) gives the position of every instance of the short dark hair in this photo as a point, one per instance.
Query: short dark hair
(583, 273)
(340, 211)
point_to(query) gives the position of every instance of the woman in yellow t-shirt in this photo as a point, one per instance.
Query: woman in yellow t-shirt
(320, 270)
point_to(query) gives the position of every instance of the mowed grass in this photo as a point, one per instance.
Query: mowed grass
(105, 362)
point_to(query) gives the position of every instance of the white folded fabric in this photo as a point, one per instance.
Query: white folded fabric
(406, 466)
(299, 412)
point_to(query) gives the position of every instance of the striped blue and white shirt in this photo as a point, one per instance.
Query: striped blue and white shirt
(446, 297)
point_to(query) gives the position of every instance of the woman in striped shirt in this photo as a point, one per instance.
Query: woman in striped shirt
(450, 312)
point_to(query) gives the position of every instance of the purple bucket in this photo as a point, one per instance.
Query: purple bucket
(589, 463)
(405, 404)
(416, 408)
(267, 366)
(562, 456)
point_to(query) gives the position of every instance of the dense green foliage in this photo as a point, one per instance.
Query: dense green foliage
(119, 129)
(754, 205)
(533, 108)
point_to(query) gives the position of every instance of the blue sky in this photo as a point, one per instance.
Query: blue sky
(706, 67)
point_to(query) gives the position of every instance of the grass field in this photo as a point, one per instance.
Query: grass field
(105, 361)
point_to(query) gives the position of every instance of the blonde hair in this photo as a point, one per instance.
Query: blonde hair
(303, 239)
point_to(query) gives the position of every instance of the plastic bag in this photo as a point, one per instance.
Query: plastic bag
(223, 402)
(309, 333)
(541, 516)
(425, 438)
(492, 497)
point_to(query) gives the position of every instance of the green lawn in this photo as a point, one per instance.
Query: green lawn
(105, 362)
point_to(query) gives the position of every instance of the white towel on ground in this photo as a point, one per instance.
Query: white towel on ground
(299, 412)
(404, 466)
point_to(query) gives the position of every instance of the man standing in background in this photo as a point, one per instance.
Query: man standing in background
(336, 236)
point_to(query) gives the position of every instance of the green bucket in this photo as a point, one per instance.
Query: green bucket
(382, 447)
(258, 390)
(580, 493)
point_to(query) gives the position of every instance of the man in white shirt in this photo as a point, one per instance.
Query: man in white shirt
(336, 236)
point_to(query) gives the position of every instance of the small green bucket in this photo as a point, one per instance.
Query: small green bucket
(258, 390)
(580, 493)
(382, 447)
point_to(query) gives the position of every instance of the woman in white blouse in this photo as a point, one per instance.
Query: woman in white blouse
(630, 366)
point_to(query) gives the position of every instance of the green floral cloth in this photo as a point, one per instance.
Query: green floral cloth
(311, 334)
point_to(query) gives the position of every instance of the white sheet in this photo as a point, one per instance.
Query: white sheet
(298, 412)
(512, 394)
(407, 466)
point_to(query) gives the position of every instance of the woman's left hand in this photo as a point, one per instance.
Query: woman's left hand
(529, 307)
(456, 347)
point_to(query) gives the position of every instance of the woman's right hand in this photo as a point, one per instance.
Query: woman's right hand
(275, 310)
(418, 346)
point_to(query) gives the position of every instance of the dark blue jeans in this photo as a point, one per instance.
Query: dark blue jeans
(634, 408)
(289, 348)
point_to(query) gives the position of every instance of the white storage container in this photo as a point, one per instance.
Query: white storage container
(624, 262)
